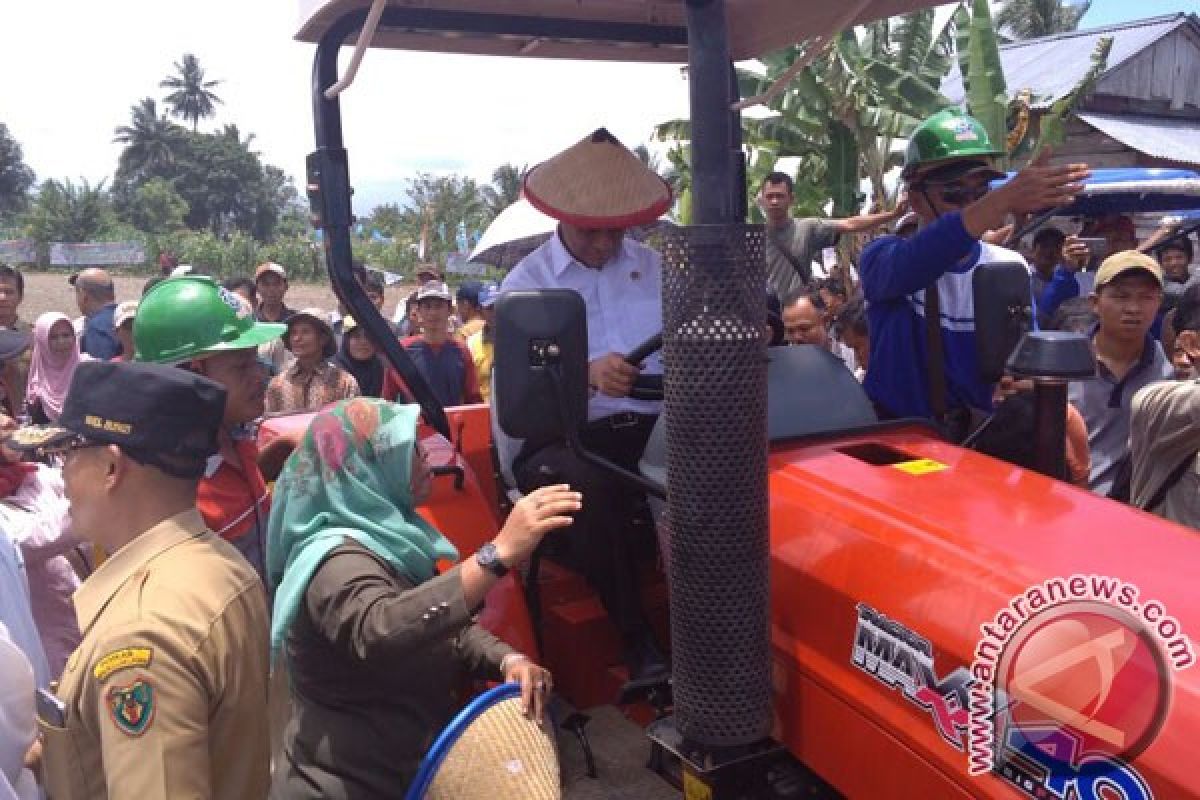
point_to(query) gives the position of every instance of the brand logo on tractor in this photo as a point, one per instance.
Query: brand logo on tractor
(900, 659)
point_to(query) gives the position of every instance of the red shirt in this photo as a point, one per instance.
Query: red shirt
(235, 503)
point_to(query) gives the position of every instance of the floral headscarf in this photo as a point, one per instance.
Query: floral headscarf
(348, 478)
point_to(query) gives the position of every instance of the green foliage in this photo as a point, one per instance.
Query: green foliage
(225, 185)
(64, 212)
(986, 91)
(841, 170)
(151, 140)
(1029, 19)
(157, 207)
(438, 205)
(16, 178)
(388, 219)
(191, 97)
(505, 189)
(843, 114)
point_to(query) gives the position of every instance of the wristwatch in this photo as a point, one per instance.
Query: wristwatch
(489, 558)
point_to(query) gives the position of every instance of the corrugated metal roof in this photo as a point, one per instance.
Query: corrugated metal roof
(1170, 139)
(1053, 65)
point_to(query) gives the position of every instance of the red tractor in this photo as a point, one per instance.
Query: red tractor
(861, 603)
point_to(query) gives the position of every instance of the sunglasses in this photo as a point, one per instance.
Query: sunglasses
(956, 194)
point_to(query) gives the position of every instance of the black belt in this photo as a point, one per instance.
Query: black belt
(626, 419)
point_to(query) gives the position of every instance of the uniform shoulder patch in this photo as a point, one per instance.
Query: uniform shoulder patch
(132, 707)
(125, 658)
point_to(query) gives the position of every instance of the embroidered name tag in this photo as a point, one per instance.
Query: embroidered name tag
(118, 660)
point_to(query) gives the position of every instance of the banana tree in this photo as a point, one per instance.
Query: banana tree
(843, 114)
(984, 86)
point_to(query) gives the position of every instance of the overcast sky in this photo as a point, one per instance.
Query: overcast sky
(73, 68)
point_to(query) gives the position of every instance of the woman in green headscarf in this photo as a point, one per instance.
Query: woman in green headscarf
(376, 641)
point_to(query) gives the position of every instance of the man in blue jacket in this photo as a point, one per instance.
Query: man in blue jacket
(948, 167)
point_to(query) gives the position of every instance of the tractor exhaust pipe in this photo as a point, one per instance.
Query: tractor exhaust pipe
(714, 358)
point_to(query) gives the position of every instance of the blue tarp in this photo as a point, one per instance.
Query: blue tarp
(1130, 190)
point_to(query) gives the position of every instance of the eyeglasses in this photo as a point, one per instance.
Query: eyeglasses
(57, 454)
(957, 194)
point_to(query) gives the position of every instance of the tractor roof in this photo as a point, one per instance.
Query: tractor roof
(619, 30)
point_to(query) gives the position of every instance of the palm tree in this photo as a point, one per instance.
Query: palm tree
(505, 189)
(190, 97)
(149, 138)
(64, 212)
(1029, 19)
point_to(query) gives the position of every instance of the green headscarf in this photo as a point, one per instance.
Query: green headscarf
(348, 478)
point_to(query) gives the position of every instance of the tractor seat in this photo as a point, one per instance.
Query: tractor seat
(809, 391)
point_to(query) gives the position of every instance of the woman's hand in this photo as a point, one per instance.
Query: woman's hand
(536, 514)
(536, 685)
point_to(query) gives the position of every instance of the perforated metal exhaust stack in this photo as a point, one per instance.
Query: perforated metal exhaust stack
(714, 352)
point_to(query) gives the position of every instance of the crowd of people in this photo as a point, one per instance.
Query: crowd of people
(205, 617)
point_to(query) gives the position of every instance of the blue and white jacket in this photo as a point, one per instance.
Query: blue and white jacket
(894, 274)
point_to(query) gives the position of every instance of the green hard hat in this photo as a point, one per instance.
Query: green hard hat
(948, 135)
(186, 318)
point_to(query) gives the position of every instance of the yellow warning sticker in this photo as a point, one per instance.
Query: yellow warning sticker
(694, 788)
(118, 660)
(922, 466)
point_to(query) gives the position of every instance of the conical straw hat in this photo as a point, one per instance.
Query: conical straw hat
(598, 183)
(491, 751)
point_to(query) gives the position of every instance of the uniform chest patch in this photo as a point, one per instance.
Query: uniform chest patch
(132, 707)
(125, 658)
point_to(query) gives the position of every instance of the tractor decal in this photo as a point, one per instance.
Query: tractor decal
(900, 659)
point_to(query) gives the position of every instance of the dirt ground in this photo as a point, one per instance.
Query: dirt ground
(49, 291)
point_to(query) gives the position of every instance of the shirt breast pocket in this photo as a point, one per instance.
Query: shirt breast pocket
(63, 764)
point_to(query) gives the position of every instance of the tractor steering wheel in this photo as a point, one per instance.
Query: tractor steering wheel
(646, 387)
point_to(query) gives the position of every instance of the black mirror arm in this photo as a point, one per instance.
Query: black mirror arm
(460, 474)
(573, 441)
(1032, 223)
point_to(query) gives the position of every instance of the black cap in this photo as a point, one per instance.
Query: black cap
(149, 410)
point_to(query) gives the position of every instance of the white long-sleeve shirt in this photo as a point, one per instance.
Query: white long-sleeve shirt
(623, 301)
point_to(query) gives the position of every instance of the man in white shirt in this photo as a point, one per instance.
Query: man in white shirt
(804, 322)
(597, 189)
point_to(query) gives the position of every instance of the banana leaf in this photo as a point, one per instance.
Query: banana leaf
(962, 44)
(674, 130)
(907, 92)
(987, 95)
(841, 171)
(914, 39)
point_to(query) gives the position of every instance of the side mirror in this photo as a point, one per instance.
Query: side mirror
(540, 374)
(1003, 314)
(540, 368)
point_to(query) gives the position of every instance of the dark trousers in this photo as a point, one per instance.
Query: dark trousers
(599, 543)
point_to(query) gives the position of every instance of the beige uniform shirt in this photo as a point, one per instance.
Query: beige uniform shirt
(166, 695)
(1164, 430)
